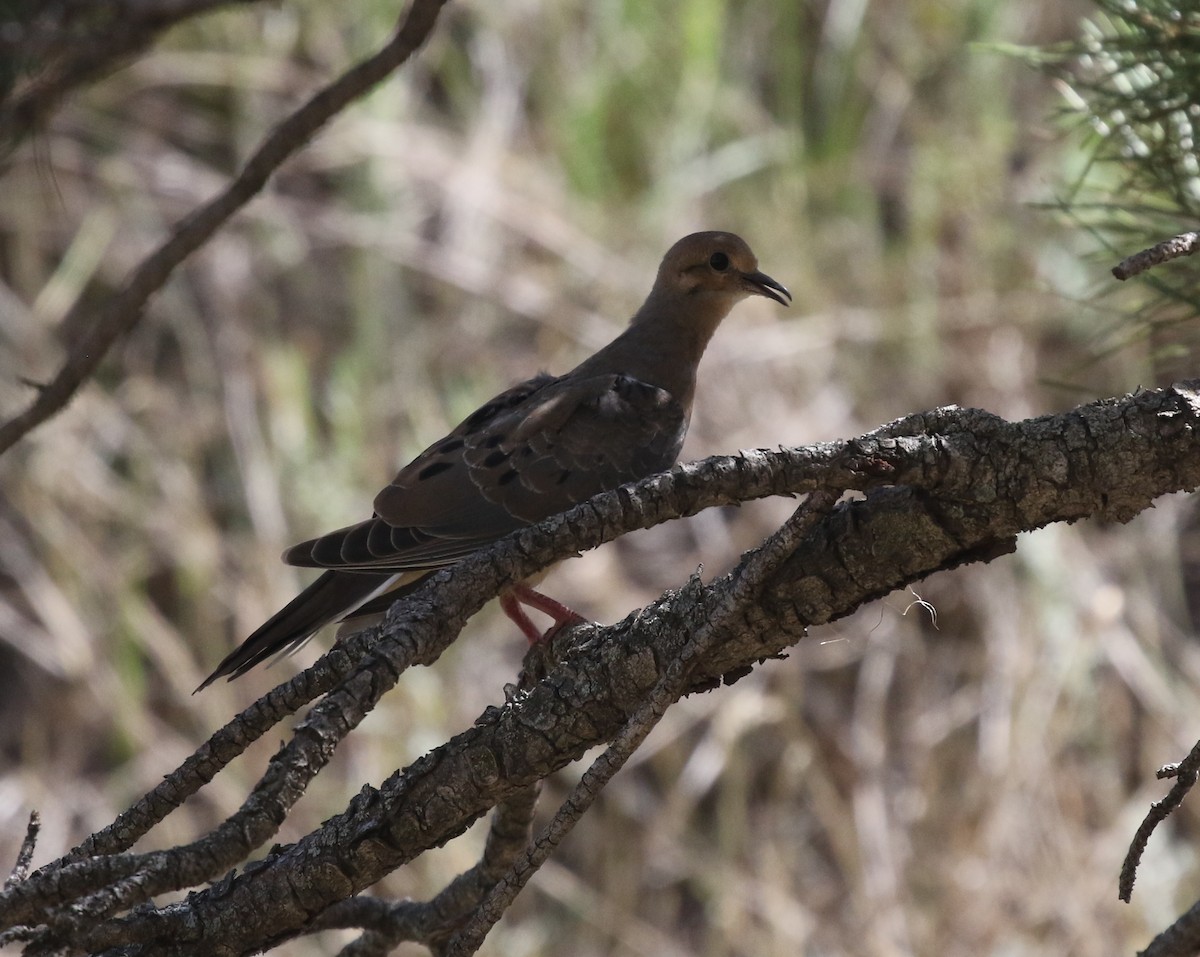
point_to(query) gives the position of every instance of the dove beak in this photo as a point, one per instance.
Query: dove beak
(760, 284)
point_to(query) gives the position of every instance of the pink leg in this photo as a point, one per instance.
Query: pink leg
(520, 594)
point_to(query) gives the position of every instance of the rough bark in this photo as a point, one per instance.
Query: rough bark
(939, 490)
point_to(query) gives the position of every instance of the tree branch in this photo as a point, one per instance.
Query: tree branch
(742, 587)
(1185, 244)
(117, 315)
(69, 45)
(960, 484)
(1185, 774)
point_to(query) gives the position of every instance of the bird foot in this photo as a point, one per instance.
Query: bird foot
(562, 616)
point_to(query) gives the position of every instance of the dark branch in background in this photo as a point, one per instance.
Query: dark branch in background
(121, 311)
(1185, 775)
(945, 488)
(1184, 244)
(60, 46)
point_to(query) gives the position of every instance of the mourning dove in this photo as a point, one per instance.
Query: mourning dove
(527, 454)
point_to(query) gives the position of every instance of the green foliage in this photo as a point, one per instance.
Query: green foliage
(1133, 80)
(1138, 76)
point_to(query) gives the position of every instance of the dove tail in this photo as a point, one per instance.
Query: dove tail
(329, 598)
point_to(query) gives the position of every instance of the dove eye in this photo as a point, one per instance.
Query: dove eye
(719, 261)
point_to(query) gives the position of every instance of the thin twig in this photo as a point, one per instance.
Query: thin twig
(1185, 775)
(200, 767)
(25, 855)
(1185, 244)
(121, 312)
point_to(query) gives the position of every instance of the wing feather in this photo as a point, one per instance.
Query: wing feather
(531, 452)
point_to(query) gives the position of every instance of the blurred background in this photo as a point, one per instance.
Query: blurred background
(904, 783)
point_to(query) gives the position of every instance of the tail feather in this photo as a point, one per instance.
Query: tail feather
(373, 610)
(332, 596)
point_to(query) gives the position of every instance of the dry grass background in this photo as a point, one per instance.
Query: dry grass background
(895, 786)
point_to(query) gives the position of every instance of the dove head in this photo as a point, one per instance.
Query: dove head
(701, 278)
(712, 271)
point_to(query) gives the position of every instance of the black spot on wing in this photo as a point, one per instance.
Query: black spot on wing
(481, 415)
(507, 477)
(495, 458)
(503, 402)
(450, 445)
(434, 468)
